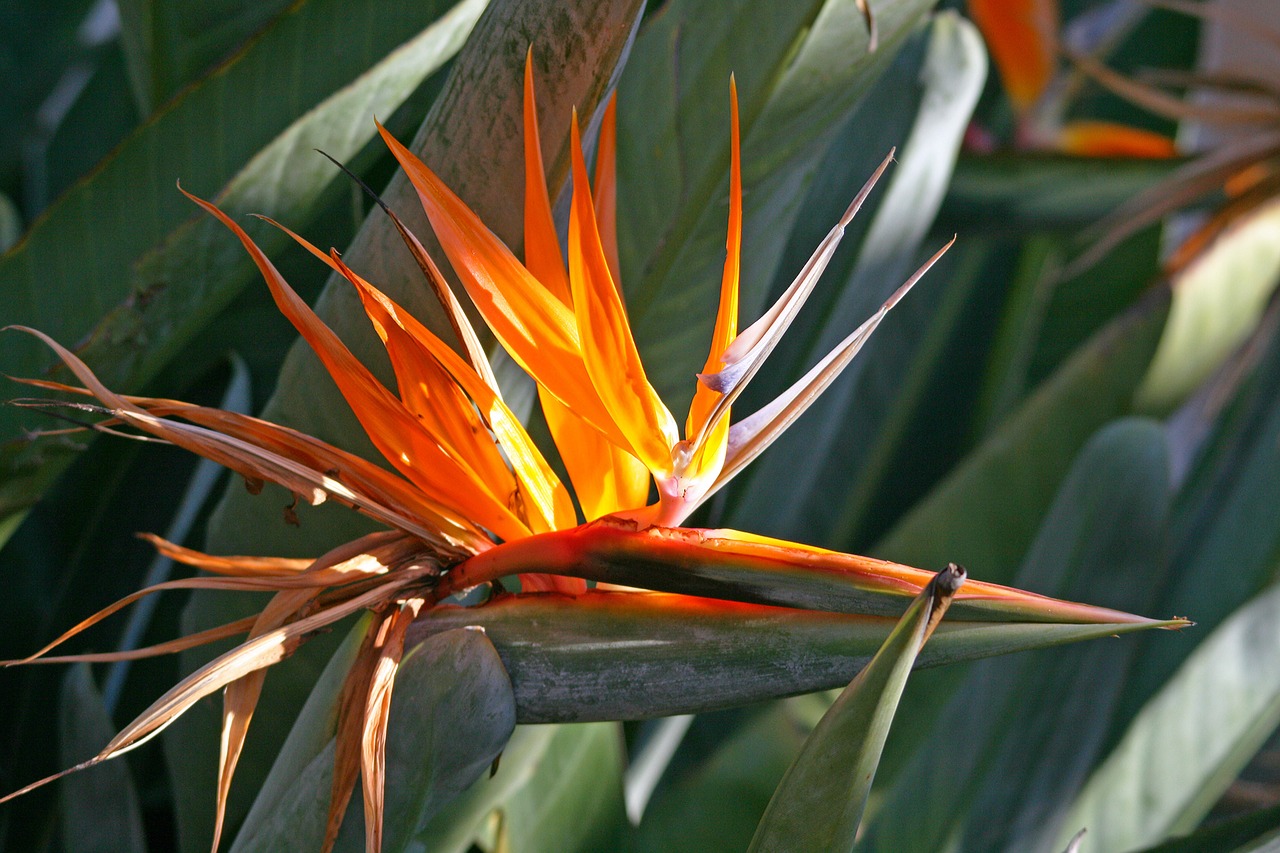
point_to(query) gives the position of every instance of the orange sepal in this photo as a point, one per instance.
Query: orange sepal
(610, 353)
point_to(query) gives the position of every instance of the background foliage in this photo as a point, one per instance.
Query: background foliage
(1109, 434)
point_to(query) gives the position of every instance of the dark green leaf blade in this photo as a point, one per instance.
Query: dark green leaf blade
(1190, 741)
(819, 803)
(100, 808)
(556, 788)
(985, 514)
(1035, 726)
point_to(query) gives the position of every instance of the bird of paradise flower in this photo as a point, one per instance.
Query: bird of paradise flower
(1238, 176)
(472, 498)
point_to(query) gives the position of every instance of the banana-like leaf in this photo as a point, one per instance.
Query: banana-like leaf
(1037, 192)
(819, 802)
(1217, 302)
(933, 84)
(170, 45)
(84, 276)
(986, 513)
(1033, 728)
(1250, 833)
(451, 714)
(1191, 740)
(626, 655)
(555, 788)
(100, 806)
(1223, 513)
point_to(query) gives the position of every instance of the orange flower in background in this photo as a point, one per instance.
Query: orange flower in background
(1023, 38)
(1237, 175)
(472, 498)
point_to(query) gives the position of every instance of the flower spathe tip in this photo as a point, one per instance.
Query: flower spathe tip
(738, 566)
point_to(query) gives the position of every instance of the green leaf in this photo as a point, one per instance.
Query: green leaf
(715, 803)
(1190, 741)
(1244, 834)
(556, 788)
(1217, 302)
(819, 803)
(10, 223)
(74, 274)
(171, 44)
(99, 806)
(670, 655)
(1022, 193)
(1033, 728)
(451, 714)
(985, 514)
(99, 118)
(801, 68)
(1223, 512)
(934, 85)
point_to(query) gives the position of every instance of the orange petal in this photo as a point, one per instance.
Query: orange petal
(550, 502)
(432, 395)
(181, 644)
(711, 447)
(375, 491)
(295, 460)
(533, 325)
(541, 244)
(351, 713)
(1022, 36)
(606, 188)
(1107, 139)
(393, 430)
(606, 478)
(612, 360)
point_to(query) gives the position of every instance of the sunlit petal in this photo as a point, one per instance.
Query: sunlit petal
(542, 255)
(709, 439)
(605, 189)
(533, 325)
(612, 360)
(393, 430)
